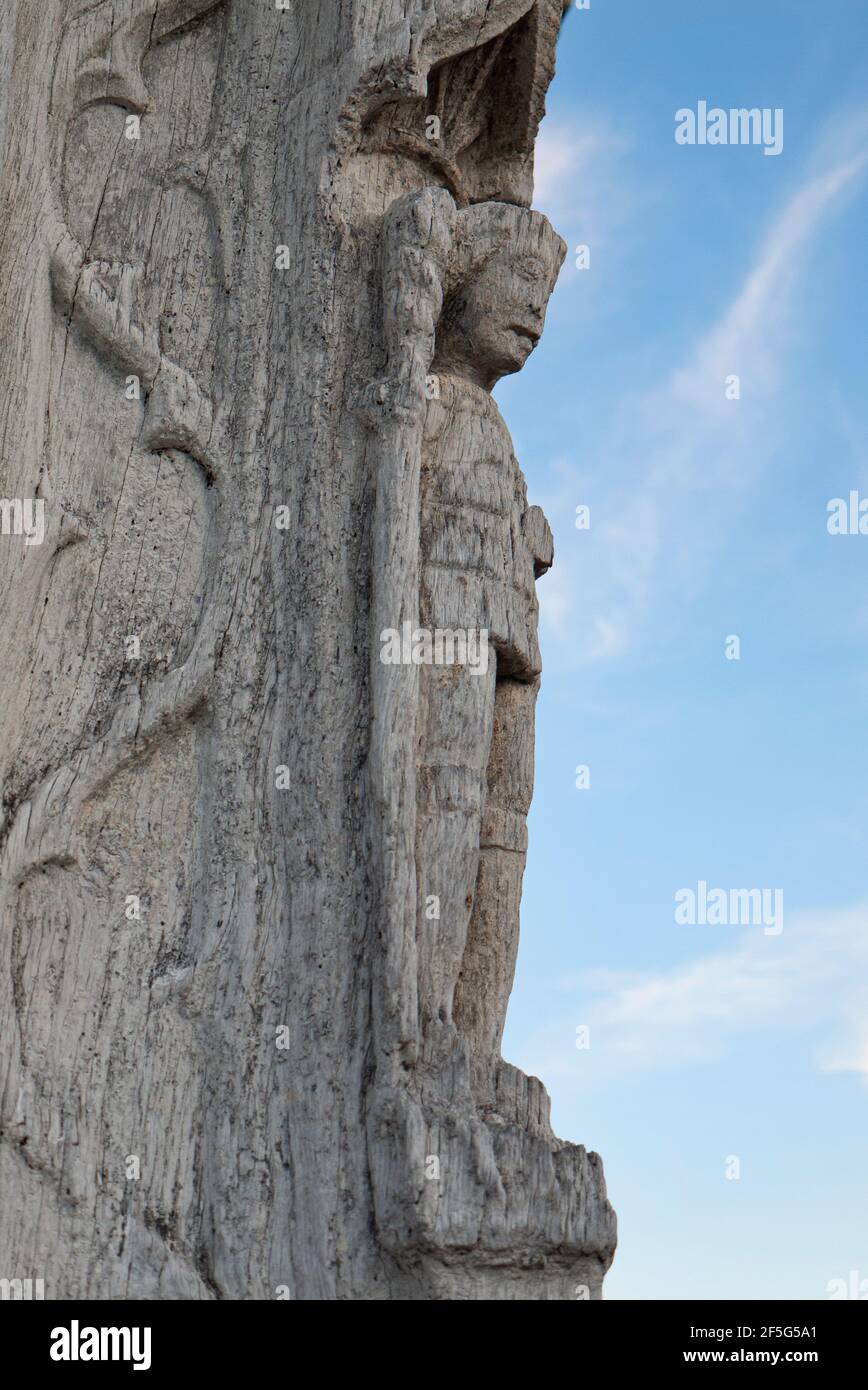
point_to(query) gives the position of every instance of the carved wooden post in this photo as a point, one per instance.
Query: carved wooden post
(254, 264)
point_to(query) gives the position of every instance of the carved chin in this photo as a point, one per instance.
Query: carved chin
(515, 348)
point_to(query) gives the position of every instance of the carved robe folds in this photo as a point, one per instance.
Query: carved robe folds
(481, 549)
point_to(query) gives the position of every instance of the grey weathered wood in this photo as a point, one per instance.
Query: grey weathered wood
(255, 463)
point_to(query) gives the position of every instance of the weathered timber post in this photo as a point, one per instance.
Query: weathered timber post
(259, 270)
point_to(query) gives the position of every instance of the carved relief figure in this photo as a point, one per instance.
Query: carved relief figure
(457, 548)
(112, 715)
(133, 470)
(481, 549)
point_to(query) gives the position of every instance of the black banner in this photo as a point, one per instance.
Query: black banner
(155, 1338)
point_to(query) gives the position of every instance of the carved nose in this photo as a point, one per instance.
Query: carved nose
(540, 540)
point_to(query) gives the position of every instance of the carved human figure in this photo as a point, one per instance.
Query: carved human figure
(482, 548)
(100, 201)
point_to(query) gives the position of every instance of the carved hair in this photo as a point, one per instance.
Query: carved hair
(483, 230)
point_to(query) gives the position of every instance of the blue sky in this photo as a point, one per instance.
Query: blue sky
(708, 519)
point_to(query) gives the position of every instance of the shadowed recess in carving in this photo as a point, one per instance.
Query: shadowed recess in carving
(461, 131)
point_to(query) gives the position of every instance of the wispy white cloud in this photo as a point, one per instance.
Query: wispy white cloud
(577, 178)
(812, 979)
(751, 333)
(557, 157)
(671, 445)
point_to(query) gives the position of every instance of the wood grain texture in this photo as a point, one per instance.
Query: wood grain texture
(245, 365)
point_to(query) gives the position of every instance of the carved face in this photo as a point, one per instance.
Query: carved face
(494, 321)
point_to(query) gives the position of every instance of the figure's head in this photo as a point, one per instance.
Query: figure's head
(505, 266)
